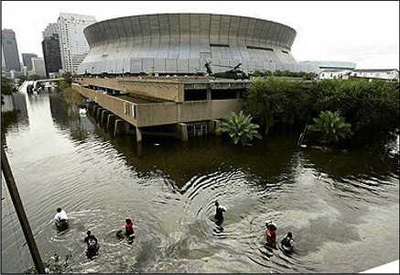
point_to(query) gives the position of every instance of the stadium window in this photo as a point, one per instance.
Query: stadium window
(194, 95)
(219, 45)
(260, 48)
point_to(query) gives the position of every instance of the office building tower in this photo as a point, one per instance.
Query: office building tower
(10, 50)
(38, 67)
(73, 44)
(52, 54)
(50, 30)
(26, 59)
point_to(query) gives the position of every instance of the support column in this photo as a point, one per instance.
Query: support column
(215, 125)
(209, 94)
(98, 114)
(138, 135)
(119, 127)
(238, 94)
(103, 117)
(94, 110)
(183, 132)
(110, 121)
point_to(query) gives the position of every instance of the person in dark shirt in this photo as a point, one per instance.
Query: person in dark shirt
(219, 209)
(92, 244)
(288, 243)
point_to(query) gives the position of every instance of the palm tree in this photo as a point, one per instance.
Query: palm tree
(240, 128)
(331, 126)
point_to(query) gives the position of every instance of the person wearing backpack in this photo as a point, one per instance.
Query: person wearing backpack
(288, 243)
(92, 245)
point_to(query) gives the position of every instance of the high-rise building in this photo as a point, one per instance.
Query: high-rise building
(10, 50)
(26, 59)
(38, 67)
(3, 61)
(51, 29)
(52, 54)
(73, 44)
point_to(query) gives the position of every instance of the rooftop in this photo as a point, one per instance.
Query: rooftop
(375, 70)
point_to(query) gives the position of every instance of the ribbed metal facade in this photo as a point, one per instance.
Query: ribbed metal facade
(182, 43)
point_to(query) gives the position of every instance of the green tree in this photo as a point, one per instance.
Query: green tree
(7, 86)
(275, 100)
(240, 128)
(331, 127)
(66, 82)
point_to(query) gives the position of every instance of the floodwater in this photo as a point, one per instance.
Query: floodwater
(342, 207)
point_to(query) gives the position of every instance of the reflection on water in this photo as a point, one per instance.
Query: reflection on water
(334, 203)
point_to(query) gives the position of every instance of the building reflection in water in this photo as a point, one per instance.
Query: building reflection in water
(14, 113)
(67, 118)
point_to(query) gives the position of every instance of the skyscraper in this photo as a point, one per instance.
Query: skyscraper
(38, 67)
(73, 44)
(51, 29)
(3, 61)
(51, 49)
(52, 54)
(26, 59)
(10, 50)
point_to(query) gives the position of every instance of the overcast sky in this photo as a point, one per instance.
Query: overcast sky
(363, 32)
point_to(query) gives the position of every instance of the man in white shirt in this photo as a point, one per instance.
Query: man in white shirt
(61, 215)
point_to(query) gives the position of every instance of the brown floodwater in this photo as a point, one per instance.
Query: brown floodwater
(342, 207)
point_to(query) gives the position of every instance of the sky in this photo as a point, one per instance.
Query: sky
(364, 32)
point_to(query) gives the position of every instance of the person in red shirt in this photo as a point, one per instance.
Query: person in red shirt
(129, 227)
(271, 235)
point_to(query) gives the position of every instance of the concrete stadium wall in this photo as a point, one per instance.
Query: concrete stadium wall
(113, 104)
(182, 42)
(153, 114)
(171, 91)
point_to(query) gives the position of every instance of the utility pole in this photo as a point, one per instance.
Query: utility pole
(12, 189)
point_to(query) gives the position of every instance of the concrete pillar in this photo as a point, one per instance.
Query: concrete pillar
(103, 117)
(138, 135)
(215, 125)
(110, 121)
(94, 111)
(98, 114)
(209, 94)
(183, 132)
(119, 127)
(237, 94)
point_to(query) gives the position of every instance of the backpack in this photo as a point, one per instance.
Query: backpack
(286, 242)
(92, 243)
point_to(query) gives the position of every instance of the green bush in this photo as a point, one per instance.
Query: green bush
(66, 82)
(240, 128)
(372, 108)
(7, 86)
(331, 127)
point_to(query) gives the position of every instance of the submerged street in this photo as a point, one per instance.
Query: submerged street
(342, 207)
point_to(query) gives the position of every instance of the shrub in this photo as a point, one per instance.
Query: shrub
(240, 128)
(331, 127)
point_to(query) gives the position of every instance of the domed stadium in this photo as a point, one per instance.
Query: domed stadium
(182, 43)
